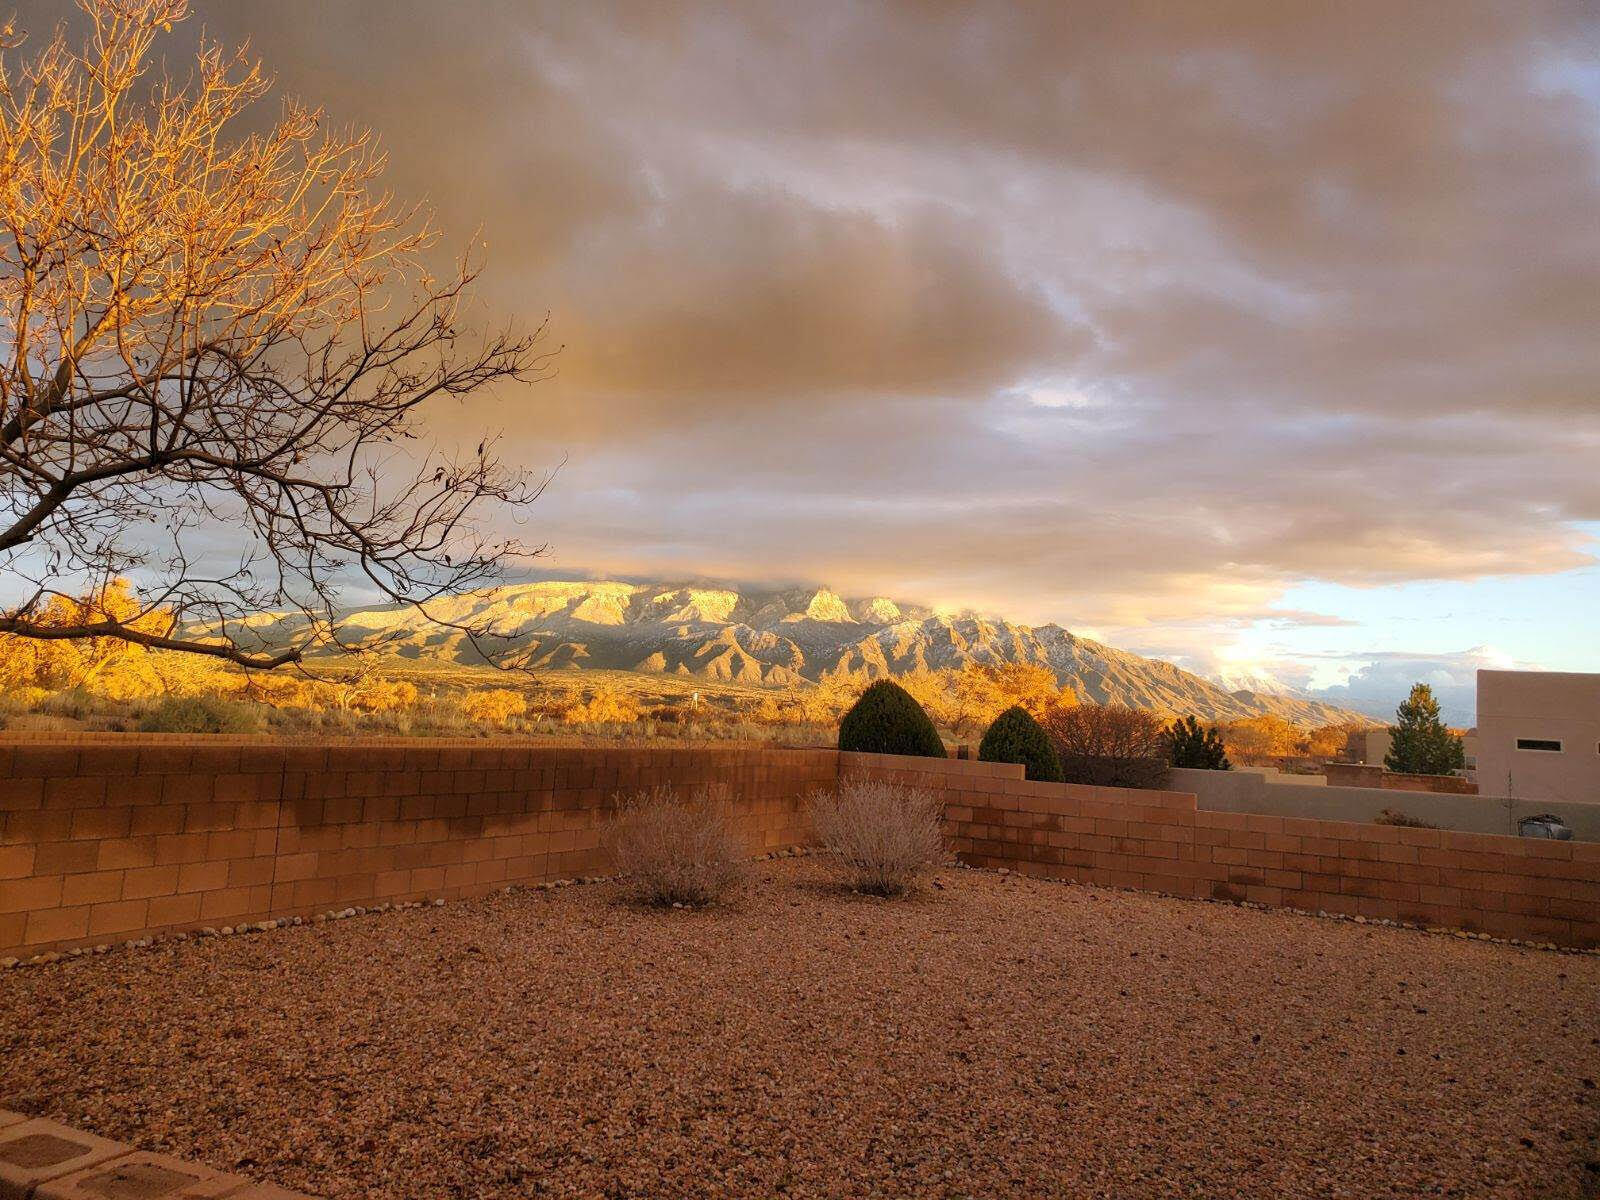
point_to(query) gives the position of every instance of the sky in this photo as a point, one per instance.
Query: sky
(1258, 336)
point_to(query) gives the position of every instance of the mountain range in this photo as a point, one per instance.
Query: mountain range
(787, 638)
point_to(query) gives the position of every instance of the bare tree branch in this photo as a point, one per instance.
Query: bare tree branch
(209, 333)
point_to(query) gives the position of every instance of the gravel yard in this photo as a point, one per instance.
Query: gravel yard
(993, 1037)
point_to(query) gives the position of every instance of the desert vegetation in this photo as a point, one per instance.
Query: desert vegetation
(113, 684)
(879, 837)
(1116, 746)
(675, 850)
(1271, 740)
(967, 701)
(199, 714)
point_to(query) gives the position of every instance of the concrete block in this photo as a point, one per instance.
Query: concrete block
(142, 1176)
(34, 1152)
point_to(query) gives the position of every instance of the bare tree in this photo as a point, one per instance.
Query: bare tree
(213, 336)
(1109, 745)
(1106, 731)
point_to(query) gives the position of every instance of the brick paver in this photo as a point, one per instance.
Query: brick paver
(44, 1160)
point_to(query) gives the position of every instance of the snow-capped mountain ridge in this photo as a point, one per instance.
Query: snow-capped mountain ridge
(789, 637)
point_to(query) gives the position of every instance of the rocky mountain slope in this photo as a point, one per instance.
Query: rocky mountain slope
(787, 638)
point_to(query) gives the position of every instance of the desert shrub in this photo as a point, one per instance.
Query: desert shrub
(1108, 745)
(1015, 737)
(886, 720)
(549, 704)
(1331, 741)
(1195, 746)
(768, 711)
(23, 699)
(605, 707)
(880, 837)
(976, 695)
(384, 696)
(494, 705)
(74, 703)
(1393, 816)
(675, 851)
(670, 714)
(397, 722)
(826, 701)
(198, 714)
(72, 662)
(1105, 731)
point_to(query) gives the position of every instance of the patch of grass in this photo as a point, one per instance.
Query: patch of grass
(199, 714)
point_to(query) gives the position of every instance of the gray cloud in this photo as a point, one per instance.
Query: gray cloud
(1122, 314)
(1376, 681)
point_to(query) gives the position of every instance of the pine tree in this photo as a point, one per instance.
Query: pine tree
(1419, 743)
(1197, 747)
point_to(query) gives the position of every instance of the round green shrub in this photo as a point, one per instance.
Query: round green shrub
(886, 720)
(1015, 737)
(198, 714)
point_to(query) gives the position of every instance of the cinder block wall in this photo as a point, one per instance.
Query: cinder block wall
(1249, 791)
(1159, 841)
(1369, 775)
(113, 838)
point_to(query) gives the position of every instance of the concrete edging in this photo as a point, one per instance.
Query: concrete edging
(46, 1160)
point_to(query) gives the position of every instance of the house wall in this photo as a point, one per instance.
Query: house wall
(1371, 746)
(1559, 705)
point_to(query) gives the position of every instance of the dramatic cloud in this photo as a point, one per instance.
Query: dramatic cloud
(1372, 685)
(1130, 315)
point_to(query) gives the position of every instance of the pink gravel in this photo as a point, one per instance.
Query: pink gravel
(993, 1037)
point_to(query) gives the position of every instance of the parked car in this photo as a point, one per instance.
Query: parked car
(1545, 825)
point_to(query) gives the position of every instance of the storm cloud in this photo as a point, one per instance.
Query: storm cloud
(1129, 315)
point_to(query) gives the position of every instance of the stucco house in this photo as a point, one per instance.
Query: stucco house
(1539, 735)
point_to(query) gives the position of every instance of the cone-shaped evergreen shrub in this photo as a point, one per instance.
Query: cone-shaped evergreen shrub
(1015, 737)
(886, 720)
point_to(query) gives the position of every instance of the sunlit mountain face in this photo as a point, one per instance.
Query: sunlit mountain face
(781, 638)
